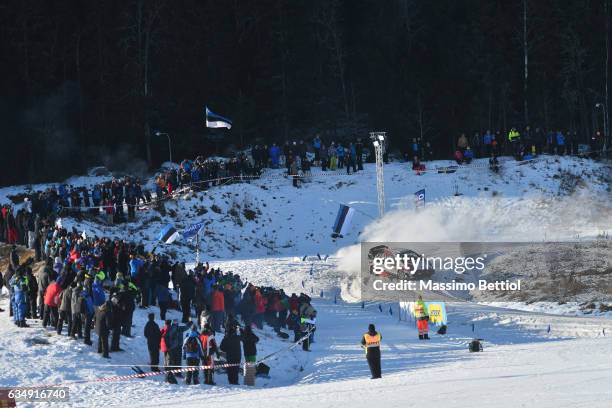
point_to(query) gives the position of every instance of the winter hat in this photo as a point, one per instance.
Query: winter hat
(371, 328)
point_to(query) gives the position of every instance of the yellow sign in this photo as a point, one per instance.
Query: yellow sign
(437, 312)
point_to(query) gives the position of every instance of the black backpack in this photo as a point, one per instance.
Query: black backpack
(191, 346)
(475, 346)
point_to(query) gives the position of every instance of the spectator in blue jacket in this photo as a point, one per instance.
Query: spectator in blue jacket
(487, 140)
(468, 155)
(97, 290)
(316, 143)
(275, 155)
(163, 300)
(192, 353)
(19, 297)
(135, 265)
(340, 155)
(560, 138)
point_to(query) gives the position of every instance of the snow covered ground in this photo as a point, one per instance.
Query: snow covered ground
(523, 364)
(532, 357)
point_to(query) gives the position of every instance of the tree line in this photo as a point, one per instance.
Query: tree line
(90, 83)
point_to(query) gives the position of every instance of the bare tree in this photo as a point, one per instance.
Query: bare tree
(281, 35)
(138, 41)
(573, 72)
(422, 121)
(526, 65)
(607, 71)
(330, 36)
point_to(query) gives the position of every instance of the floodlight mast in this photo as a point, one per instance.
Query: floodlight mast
(378, 140)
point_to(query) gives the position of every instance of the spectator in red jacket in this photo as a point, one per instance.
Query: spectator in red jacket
(294, 302)
(217, 308)
(52, 301)
(260, 308)
(168, 336)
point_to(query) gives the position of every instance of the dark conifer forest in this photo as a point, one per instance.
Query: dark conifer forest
(88, 83)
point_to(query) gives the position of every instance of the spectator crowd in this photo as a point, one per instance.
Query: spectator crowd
(75, 284)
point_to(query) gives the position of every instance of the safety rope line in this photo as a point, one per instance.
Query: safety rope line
(184, 366)
(291, 347)
(164, 372)
(130, 376)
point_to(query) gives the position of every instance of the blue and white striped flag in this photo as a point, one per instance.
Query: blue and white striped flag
(192, 230)
(168, 234)
(216, 121)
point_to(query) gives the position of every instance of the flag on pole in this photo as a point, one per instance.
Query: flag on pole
(343, 220)
(168, 234)
(419, 198)
(216, 121)
(192, 230)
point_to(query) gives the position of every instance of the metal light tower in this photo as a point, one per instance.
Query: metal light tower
(378, 140)
(169, 142)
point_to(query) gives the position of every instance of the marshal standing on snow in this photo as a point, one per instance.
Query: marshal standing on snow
(371, 344)
(422, 316)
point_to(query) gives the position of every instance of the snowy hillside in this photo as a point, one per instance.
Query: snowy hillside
(262, 230)
(548, 199)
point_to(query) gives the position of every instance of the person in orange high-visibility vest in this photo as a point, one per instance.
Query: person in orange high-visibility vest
(371, 344)
(422, 317)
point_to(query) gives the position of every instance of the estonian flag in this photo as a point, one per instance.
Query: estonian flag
(168, 234)
(343, 221)
(216, 121)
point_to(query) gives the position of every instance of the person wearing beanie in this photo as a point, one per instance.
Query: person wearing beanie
(152, 333)
(192, 353)
(370, 342)
(116, 322)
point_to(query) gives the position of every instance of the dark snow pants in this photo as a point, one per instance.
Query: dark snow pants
(373, 357)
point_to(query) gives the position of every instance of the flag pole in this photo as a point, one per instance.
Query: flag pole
(198, 248)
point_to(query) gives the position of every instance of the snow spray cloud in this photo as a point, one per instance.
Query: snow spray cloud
(555, 272)
(462, 219)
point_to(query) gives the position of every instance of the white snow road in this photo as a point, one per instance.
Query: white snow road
(523, 364)
(519, 369)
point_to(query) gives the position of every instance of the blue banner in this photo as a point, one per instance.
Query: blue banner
(419, 198)
(192, 230)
